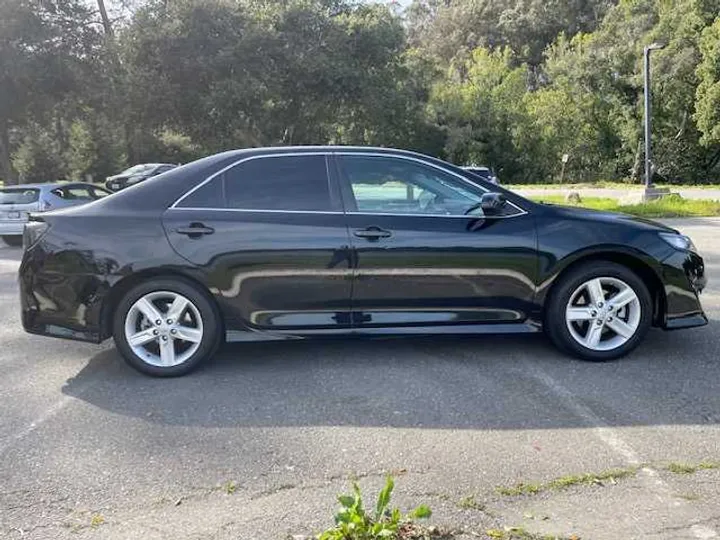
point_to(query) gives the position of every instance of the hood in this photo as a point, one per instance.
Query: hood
(611, 217)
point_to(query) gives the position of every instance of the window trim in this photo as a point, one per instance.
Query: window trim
(332, 155)
(334, 202)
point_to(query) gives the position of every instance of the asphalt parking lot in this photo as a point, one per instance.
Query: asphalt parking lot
(257, 444)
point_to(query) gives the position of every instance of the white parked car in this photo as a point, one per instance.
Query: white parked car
(16, 203)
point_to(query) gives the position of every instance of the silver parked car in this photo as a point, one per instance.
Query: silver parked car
(16, 202)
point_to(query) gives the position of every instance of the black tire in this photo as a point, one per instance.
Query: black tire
(555, 325)
(13, 241)
(211, 321)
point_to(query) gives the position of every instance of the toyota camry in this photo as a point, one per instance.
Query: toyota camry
(290, 243)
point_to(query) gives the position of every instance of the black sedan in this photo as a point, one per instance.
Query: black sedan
(136, 174)
(283, 243)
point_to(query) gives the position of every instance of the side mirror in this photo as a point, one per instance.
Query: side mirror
(492, 203)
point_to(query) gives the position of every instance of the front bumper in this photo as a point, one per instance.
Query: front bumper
(684, 279)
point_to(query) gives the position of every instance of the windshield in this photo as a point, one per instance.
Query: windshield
(139, 168)
(19, 195)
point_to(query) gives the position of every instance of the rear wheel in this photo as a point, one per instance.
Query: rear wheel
(14, 241)
(599, 311)
(166, 327)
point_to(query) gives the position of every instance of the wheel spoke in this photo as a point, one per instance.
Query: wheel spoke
(592, 339)
(579, 314)
(594, 288)
(189, 334)
(142, 338)
(623, 298)
(167, 352)
(177, 308)
(621, 328)
(148, 309)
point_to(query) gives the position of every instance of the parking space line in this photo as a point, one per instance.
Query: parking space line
(611, 438)
(34, 425)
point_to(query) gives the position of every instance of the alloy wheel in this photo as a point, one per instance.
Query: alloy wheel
(163, 328)
(603, 314)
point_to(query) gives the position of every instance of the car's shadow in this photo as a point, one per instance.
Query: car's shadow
(502, 382)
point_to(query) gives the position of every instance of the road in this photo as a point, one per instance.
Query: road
(257, 444)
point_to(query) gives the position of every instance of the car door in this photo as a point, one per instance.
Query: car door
(270, 236)
(419, 259)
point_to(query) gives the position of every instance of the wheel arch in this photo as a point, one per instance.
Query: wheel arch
(120, 288)
(629, 259)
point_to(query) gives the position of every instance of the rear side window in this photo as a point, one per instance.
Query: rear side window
(19, 196)
(279, 183)
(209, 195)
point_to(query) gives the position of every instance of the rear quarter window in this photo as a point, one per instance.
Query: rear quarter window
(19, 195)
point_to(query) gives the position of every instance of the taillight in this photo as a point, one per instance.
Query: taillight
(33, 232)
(45, 206)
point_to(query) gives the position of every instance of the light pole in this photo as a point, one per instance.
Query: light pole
(648, 118)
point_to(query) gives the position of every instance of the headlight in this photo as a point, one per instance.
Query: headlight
(679, 241)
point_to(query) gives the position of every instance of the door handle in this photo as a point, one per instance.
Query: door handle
(372, 233)
(195, 230)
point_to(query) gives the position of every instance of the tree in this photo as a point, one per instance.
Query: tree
(44, 50)
(708, 91)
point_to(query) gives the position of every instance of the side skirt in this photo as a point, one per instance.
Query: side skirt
(234, 336)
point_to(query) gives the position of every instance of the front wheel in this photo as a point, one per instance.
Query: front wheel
(13, 241)
(599, 312)
(166, 327)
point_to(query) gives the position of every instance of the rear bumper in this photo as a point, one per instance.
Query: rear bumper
(60, 305)
(12, 228)
(684, 279)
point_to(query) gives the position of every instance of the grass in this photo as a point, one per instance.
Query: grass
(608, 185)
(470, 503)
(686, 468)
(518, 533)
(667, 207)
(565, 482)
(229, 487)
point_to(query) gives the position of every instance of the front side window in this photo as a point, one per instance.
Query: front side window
(73, 193)
(382, 185)
(279, 183)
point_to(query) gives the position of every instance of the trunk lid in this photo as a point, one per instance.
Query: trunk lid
(17, 202)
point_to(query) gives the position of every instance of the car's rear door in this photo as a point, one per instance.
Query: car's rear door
(270, 236)
(420, 261)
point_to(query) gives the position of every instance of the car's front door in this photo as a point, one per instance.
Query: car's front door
(419, 259)
(270, 236)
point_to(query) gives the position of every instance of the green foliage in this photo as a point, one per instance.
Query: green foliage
(708, 91)
(354, 522)
(511, 84)
(95, 152)
(666, 207)
(38, 158)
